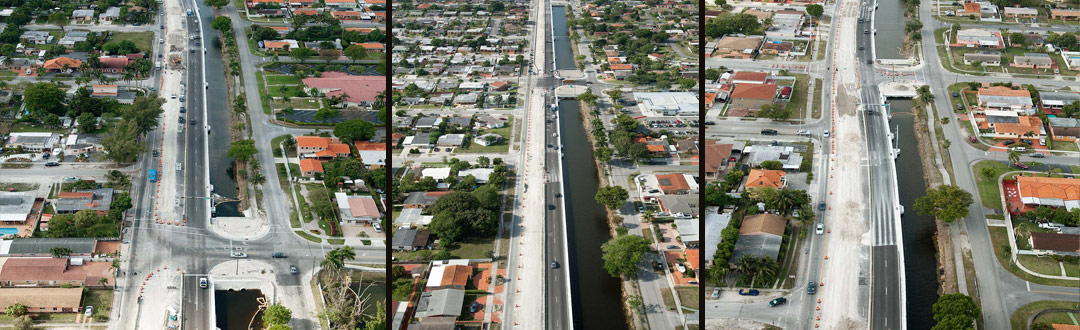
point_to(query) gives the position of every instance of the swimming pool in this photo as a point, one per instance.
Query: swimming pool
(9, 231)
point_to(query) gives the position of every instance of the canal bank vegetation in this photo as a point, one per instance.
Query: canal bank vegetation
(347, 298)
(242, 149)
(955, 311)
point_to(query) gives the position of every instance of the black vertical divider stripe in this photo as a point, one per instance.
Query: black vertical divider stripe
(701, 163)
(388, 166)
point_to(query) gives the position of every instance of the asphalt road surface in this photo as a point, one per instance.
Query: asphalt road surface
(556, 281)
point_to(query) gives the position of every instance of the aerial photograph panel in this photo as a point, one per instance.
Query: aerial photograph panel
(193, 164)
(546, 164)
(892, 164)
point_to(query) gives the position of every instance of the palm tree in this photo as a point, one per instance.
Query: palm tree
(925, 96)
(336, 258)
(748, 265)
(1014, 156)
(103, 281)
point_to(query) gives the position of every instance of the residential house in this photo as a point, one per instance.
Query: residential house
(1025, 126)
(372, 154)
(487, 139)
(679, 206)
(1047, 191)
(1020, 12)
(357, 209)
(760, 235)
(786, 155)
(110, 14)
(419, 140)
(777, 48)
(983, 58)
(751, 97)
(372, 47)
(341, 3)
(324, 148)
(82, 15)
(33, 141)
(280, 45)
(411, 239)
(1032, 60)
(1064, 129)
(16, 208)
(430, 122)
(71, 37)
(449, 276)
(61, 64)
(53, 272)
(37, 37)
(441, 306)
(42, 300)
(785, 24)
(717, 159)
(489, 122)
(1005, 98)
(82, 143)
(310, 166)
(762, 178)
(480, 174)
(749, 77)
(97, 200)
(1065, 14)
(736, 47)
(114, 64)
(450, 140)
(676, 183)
(1055, 243)
(438, 173)
(423, 200)
(979, 38)
(1057, 100)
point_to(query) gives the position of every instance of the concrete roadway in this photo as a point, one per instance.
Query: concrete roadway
(556, 280)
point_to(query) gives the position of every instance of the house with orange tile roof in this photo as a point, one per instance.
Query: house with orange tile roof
(372, 46)
(1024, 127)
(252, 3)
(449, 277)
(673, 184)
(323, 148)
(347, 15)
(749, 77)
(717, 159)
(1065, 14)
(52, 272)
(42, 300)
(280, 45)
(306, 12)
(341, 3)
(61, 64)
(310, 166)
(762, 178)
(1047, 191)
(751, 97)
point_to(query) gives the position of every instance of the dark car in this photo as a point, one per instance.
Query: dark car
(821, 206)
(751, 292)
(956, 94)
(1028, 142)
(193, 121)
(811, 288)
(52, 164)
(182, 110)
(777, 302)
(475, 306)
(155, 153)
(1008, 142)
(278, 255)
(551, 206)
(768, 131)
(554, 265)
(1037, 155)
(181, 119)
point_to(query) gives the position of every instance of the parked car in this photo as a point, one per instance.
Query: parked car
(89, 311)
(1008, 142)
(777, 302)
(751, 292)
(716, 293)
(475, 306)
(1037, 155)
(1028, 142)
(52, 164)
(972, 139)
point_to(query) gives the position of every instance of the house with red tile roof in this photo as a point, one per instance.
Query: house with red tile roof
(372, 46)
(61, 64)
(52, 272)
(113, 64)
(449, 277)
(751, 97)
(310, 166)
(761, 178)
(323, 148)
(673, 184)
(717, 159)
(1047, 191)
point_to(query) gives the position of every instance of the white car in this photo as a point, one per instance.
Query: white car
(820, 228)
(238, 255)
(89, 311)
(203, 283)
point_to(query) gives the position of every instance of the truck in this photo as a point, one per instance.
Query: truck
(153, 175)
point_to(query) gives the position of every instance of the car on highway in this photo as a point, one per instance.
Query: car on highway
(278, 255)
(89, 311)
(238, 255)
(716, 293)
(551, 206)
(819, 228)
(193, 121)
(203, 283)
(777, 302)
(826, 134)
(811, 288)
(554, 265)
(821, 206)
(803, 132)
(751, 292)
(293, 270)
(558, 195)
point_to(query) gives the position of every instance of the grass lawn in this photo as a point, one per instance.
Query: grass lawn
(278, 79)
(336, 241)
(285, 90)
(474, 249)
(6, 186)
(797, 104)
(998, 239)
(276, 144)
(24, 128)
(1041, 265)
(1057, 318)
(989, 193)
(1022, 314)
(688, 296)
(101, 300)
(309, 237)
(1063, 145)
(669, 300)
(305, 208)
(16, 165)
(502, 146)
(817, 98)
(300, 103)
(143, 40)
(262, 93)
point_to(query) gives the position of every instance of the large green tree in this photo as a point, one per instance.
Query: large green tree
(44, 98)
(222, 24)
(277, 314)
(243, 150)
(354, 130)
(955, 311)
(815, 10)
(355, 52)
(946, 202)
(145, 111)
(460, 214)
(119, 142)
(623, 253)
(613, 197)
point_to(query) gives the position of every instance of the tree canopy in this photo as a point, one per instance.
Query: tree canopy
(947, 203)
(277, 314)
(460, 214)
(613, 197)
(354, 130)
(955, 311)
(623, 253)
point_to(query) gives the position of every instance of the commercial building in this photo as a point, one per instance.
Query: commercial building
(668, 103)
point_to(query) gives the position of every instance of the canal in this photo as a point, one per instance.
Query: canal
(586, 227)
(238, 310)
(889, 29)
(919, 255)
(217, 111)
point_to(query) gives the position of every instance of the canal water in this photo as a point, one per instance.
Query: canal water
(586, 227)
(919, 256)
(235, 309)
(889, 29)
(217, 110)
